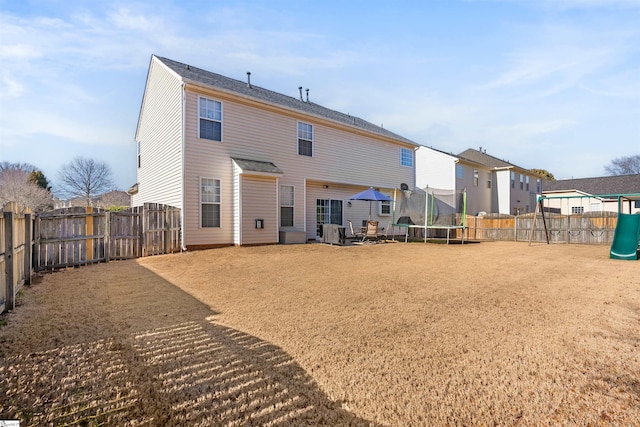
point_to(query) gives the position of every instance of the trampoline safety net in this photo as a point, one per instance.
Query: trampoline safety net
(430, 207)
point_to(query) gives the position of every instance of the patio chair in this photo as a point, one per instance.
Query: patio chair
(383, 233)
(372, 231)
(354, 234)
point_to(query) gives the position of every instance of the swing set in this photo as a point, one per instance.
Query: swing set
(627, 227)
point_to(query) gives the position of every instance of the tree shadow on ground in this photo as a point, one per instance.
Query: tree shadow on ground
(186, 370)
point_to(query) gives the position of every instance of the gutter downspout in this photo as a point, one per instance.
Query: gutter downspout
(183, 155)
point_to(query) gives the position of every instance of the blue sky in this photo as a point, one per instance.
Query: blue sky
(549, 84)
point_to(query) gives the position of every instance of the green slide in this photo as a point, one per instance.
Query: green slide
(626, 237)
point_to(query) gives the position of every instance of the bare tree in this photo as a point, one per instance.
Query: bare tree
(85, 178)
(624, 165)
(27, 167)
(16, 186)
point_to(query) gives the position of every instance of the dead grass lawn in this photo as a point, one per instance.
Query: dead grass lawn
(393, 334)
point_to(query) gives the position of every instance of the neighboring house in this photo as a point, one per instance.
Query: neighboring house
(73, 202)
(106, 200)
(492, 185)
(593, 194)
(245, 164)
(435, 169)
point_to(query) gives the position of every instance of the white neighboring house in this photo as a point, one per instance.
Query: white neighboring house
(493, 185)
(246, 164)
(435, 169)
(593, 194)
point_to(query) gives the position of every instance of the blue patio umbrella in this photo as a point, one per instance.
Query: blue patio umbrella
(370, 195)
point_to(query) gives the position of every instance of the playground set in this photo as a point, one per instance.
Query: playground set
(626, 238)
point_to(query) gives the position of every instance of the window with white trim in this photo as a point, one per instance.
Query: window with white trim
(385, 208)
(286, 205)
(475, 177)
(406, 157)
(210, 119)
(209, 202)
(305, 139)
(577, 209)
(521, 182)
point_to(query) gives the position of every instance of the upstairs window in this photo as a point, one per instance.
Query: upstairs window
(210, 122)
(521, 182)
(475, 177)
(489, 180)
(138, 153)
(459, 172)
(305, 139)
(539, 186)
(209, 202)
(527, 182)
(406, 157)
(513, 180)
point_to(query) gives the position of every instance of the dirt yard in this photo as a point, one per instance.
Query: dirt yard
(390, 334)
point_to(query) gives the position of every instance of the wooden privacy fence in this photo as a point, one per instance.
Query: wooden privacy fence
(588, 228)
(15, 253)
(79, 236)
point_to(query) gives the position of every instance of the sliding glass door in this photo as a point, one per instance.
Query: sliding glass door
(328, 212)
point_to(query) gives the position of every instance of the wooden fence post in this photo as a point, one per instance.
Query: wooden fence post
(27, 248)
(89, 232)
(167, 229)
(107, 236)
(143, 230)
(36, 243)
(8, 257)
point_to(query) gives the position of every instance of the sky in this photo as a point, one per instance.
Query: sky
(546, 84)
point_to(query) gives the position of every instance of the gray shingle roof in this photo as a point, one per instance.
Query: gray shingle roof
(193, 74)
(485, 159)
(256, 165)
(620, 184)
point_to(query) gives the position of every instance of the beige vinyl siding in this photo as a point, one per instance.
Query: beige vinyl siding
(160, 137)
(268, 135)
(480, 197)
(523, 198)
(259, 201)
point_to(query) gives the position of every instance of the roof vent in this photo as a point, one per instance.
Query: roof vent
(249, 79)
(307, 90)
(300, 89)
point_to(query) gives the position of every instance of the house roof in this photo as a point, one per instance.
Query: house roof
(619, 184)
(197, 75)
(439, 151)
(485, 159)
(257, 166)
